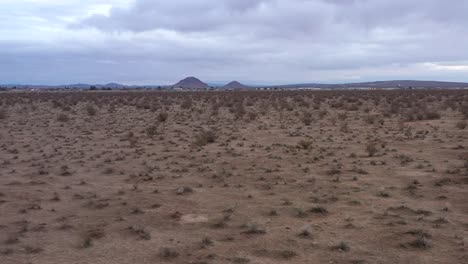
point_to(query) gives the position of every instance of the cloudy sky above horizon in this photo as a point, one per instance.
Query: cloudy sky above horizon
(253, 41)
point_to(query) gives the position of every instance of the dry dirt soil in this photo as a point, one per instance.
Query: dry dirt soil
(234, 177)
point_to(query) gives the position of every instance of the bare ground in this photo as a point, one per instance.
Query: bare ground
(126, 185)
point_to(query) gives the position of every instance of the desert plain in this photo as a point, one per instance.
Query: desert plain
(234, 177)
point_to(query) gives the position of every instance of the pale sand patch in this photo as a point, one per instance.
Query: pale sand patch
(193, 218)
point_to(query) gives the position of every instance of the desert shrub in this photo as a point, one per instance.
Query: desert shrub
(206, 242)
(56, 104)
(183, 190)
(370, 119)
(12, 240)
(87, 242)
(307, 118)
(249, 101)
(95, 234)
(264, 107)
(140, 232)
(431, 115)
(461, 124)
(305, 144)
(387, 112)
(344, 128)
(168, 253)
(254, 229)
(318, 210)
(371, 149)
(301, 213)
(421, 242)
(3, 114)
(154, 108)
(404, 159)
(62, 117)
(186, 104)
(423, 114)
(145, 105)
(383, 194)
(342, 246)
(152, 131)
(352, 107)
(305, 232)
(111, 108)
(464, 110)
(109, 170)
(285, 105)
(66, 108)
(287, 254)
(252, 116)
(238, 110)
(332, 172)
(336, 104)
(342, 116)
(133, 142)
(205, 137)
(162, 117)
(322, 114)
(90, 110)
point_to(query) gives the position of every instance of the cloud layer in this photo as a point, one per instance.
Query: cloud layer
(255, 41)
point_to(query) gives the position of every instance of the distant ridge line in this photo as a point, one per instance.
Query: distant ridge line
(195, 83)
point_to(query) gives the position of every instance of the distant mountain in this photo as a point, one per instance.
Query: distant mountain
(88, 86)
(191, 83)
(114, 85)
(236, 85)
(194, 83)
(406, 84)
(382, 84)
(77, 85)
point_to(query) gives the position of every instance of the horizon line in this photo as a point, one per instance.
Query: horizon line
(216, 83)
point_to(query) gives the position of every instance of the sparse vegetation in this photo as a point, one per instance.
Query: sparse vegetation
(461, 124)
(318, 210)
(140, 232)
(168, 253)
(287, 254)
(371, 149)
(62, 118)
(205, 137)
(305, 144)
(421, 242)
(3, 114)
(342, 246)
(307, 118)
(152, 131)
(254, 229)
(91, 110)
(162, 117)
(233, 176)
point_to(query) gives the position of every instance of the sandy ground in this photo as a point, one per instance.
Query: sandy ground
(123, 185)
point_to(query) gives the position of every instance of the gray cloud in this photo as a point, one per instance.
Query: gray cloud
(284, 15)
(227, 17)
(256, 41)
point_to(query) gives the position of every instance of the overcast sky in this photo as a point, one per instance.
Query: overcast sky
(253, 41)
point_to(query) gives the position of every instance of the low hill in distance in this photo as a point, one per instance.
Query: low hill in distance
(381, 84)
(236, 85)
(191, 83)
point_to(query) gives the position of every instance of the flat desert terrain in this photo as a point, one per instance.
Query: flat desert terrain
(234, 177)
